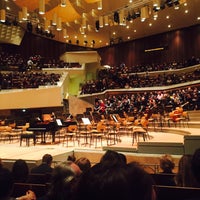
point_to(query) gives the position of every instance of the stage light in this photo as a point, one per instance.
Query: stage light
(59, 24)
(54, 20)
(2, 15)
(144, 13)
(63, 3)
(41, 7)
(99, 5)
(101, 21)
(106, 20)
(24, 13)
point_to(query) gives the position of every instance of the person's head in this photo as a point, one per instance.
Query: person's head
(114, 182)
(20, 170)
(71, 158)
(47, 158)
(83, 163)
(112, 158)
(74, 167)
(184, 176)
(6, 183)
(196, 165)
(167, 163)
(61, 182)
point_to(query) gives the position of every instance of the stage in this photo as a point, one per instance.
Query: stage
(170, 140)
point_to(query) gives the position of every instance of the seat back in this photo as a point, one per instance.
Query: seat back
(176, 193)
(20, 189)
(164, 179)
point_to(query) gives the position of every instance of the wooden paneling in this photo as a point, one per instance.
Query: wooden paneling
(180, 45)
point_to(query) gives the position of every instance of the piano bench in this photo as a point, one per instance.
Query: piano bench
(27, 135)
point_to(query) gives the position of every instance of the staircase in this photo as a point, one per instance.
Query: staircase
(194, 117)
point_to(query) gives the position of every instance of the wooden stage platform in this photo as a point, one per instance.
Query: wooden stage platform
(174, 141)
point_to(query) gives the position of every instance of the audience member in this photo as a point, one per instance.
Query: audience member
(61, 183)
(83, 163)
(71, 158)
(112, 158)
(115, 182)
(45, 166)
(6, 186)
(167, 164)
(195, 164)
(20, 171)
(184, 176)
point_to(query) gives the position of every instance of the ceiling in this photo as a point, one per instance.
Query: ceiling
(80, 13)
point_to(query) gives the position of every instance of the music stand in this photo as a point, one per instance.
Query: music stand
(86, 121)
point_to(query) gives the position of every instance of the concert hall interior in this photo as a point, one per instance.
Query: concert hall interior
(130, 83)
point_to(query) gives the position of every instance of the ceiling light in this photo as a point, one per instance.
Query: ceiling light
(99, 5)
(121, 18)
(2, 15)
(64, 33)
(144, 13)
(20, 17)
(63, 3)
(106, 20)
(169, 26)
(54, 20)
(59, 24)
(186, 11)
(84, 25)
(24, 13)
(198, 18)
(100, 21)
(41, 7)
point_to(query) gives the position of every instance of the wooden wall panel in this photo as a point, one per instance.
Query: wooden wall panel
(180, 45)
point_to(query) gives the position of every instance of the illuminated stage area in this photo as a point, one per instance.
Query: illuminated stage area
(174, 141)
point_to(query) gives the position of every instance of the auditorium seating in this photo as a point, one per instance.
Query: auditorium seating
(20, 189)
(176, 193)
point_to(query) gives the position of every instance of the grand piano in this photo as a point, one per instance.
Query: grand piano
(42, 127)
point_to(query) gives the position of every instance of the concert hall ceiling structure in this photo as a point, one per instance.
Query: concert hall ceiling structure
(99, 23)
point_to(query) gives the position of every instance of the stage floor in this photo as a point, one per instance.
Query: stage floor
(13, 150)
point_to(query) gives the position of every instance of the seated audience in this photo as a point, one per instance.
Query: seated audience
(196, 166)
(83, 163)
(112, 158)
(184, 176)
(115, 182)
(61, 183)
(20, 171)
(167, 164)
(45, 166)
(6, 186)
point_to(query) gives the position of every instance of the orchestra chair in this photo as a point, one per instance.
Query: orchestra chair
(97, 133)
(20, 189)
(70, 134)
(84, 133)
(140, 129)
(112, 132)
(185, 118)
